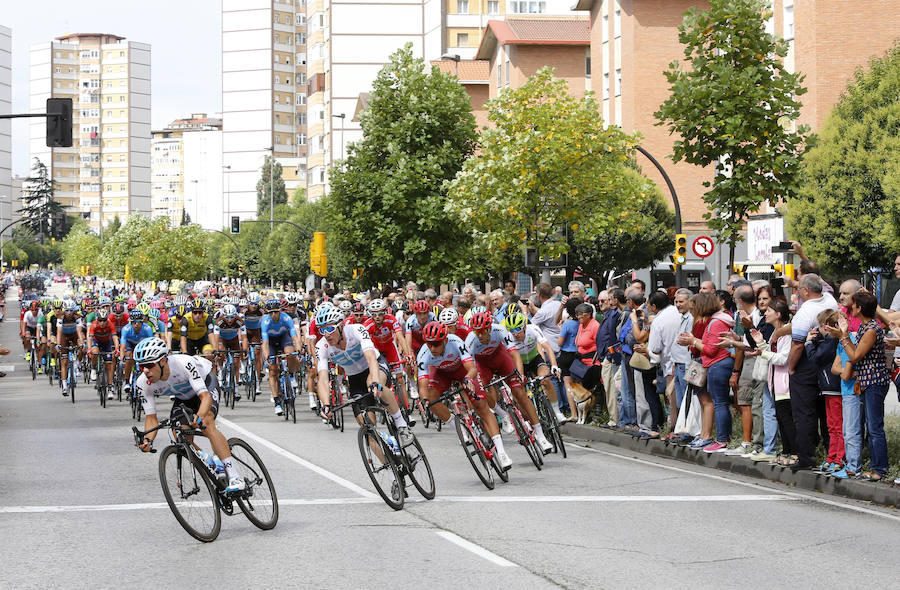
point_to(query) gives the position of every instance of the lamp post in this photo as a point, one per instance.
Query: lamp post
(342, 116)
(679, 274)
(454, 58)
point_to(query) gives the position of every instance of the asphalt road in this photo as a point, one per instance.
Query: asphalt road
(81, 508)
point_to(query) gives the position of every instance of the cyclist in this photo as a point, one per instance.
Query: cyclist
(345, 305)
(252, 322)
(421, 315)
(50, 321)
(102, 337)
(446, 359)
(350, 347)
(231, 335)
(450, 318)
(131, 334)
(173, 327)
(494, 353)
(69, 333)
(384, 330)
(279, 337)
(535, 355)
(196, 328)
(191, 381)
(357, 314)
(29, 328)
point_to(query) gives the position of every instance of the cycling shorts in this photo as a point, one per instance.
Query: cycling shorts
(278, 344)
(254, 335)
(199, 346)
(194, 403)
(531, 367)
(233, 344)
(359, 389)
(500, 363)
(68, 340)
(442, 380)
(390, 352)
(104, 346)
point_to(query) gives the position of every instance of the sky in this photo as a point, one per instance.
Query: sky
(185, 38)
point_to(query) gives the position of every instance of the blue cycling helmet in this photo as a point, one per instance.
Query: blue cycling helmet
(154, 313)
(273, 305)
(150, 350)
(135, 315)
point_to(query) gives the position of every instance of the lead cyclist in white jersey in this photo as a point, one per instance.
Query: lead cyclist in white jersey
(191, 380)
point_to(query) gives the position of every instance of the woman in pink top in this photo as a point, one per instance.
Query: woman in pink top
(586, 342)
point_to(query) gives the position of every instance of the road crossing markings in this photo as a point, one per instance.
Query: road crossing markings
(476, 549)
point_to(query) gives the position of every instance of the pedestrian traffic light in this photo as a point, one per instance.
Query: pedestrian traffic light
(680, 249)
(318, 261)
(59, 122)
(235, 224)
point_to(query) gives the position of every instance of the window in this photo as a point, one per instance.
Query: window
(301, 139)
(507, 70)
(617, 24)
(301, 59)
(278, 139)
(122, 98)
(301, 19)
(788, 23)
(587, 63)
(322, 143)
(301, 99)
(121, 157)
(605, 85)
(108, 99)
(287, 59)
(499, 74)
(301, 38)
(301, 119)
(277, 38)
(58, 85)
(122, 172)
(277, 79)
(59, 70)
(277, 99)
(121, 54)
(321, 23)
(301, 78)
(618, 81)
(462, 6)
(322, 175)
(123, 82)
(287, 81)
(289, 40)
(605, 28)
(493, 7)
(462, 39)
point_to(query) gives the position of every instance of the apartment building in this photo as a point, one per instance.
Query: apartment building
(168, 186)
(264, 92)
(106, 172)
(6, 198)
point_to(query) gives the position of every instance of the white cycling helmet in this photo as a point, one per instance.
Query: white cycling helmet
(292, 298)
(180, 300)
(229, 311)
(449, 316)
(377, 306)
(253, 298)
(329, 316)
(345, 305)
(150, 350)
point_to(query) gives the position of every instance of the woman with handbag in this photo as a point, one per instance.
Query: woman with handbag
(703, 307)
(586, 342)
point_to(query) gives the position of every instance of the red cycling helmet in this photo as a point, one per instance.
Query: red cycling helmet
(434, 332)
(357, 307)
(34, 306)
(481, 321)
(118, 308)
(420, 306)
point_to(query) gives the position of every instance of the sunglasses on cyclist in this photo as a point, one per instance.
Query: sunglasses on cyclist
(148, 365)
(514, 330)
(328, 329)
(434, 344)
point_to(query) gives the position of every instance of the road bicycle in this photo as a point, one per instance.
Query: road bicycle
(336, 398)
(476, 443)
(251, 381)
(71, 380)
(545, 413)
(34, 363)
(388, 461)
(102, 386)
(521, 426)
(195, 491)
(118, 378)
(226, 378)
(286, 392)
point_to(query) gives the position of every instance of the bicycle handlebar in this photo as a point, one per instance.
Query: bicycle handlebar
(499, 380)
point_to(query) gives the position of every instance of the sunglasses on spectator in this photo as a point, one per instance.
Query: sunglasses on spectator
(328, 329)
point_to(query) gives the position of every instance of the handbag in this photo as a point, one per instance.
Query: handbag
(639, 362)
(578, 369)
(695, 374)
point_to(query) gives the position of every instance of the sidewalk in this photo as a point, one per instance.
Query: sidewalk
(885, 494)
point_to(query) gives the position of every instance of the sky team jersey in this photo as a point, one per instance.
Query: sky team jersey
(455, 354)
(352, 357)
(528, 348)
(131, 338)
(30, 319)
(278, 328)
(500, 338)
(382, 335)
(227, 331)
(253, 318)
(415, 328)
(187, 378)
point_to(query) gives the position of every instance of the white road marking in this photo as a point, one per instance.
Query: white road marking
(476, 549)
(447, 499)
(7, 368)
(747, 484)
(299, 460)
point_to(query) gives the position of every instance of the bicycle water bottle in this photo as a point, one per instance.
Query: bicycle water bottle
(219, 467)
(391, 441)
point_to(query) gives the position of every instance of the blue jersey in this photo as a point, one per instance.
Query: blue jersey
(284, 325)
(253, 319)
(131, 338)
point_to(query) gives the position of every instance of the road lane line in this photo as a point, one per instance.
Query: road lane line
(476, 549)
(299, 460)
(743, 483)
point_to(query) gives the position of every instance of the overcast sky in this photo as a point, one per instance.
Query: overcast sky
(185, 38)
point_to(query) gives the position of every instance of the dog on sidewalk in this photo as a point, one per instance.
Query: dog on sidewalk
(584, 402)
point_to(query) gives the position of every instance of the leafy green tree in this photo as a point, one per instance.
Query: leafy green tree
(113, 227)
(185, 218)
(177, 253)
(43, 215)
(81, 247)
(547, 162)
(265, 186)
(641, 235)
(847, 211)
(386, 210)
(733, 106)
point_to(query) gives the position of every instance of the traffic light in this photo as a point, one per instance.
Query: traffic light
(680, 249)
(738, 269)
(784, 269)
(241, 268)
(235, 224)
(318, 261)
(59, 122)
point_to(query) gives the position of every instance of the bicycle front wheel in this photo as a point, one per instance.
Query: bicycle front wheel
(258, 502)
(473, 453)
(190, 494)
(381, 467)
(525, 439)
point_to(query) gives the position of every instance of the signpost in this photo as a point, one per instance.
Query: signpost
(703, 246)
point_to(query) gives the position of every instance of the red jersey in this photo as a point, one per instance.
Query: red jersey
(462, 329)
(383, 335)
(314, 330)
(120, 321)
(102, 331)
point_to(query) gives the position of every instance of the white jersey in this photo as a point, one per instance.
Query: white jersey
(528, 348)
(187, 378)
(352, 357)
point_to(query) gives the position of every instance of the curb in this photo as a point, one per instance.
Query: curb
(877, 493)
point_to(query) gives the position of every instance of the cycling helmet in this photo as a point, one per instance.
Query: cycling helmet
(144, 307)
(253, 298)
(449, 316)
(229, 311)
(69, 306)
(147, 298)
(57, 304)
(481, 321)
(136, 315)
(154, 313)
(420, 306)
(324, 305)
(478, 309)
(377, 306)
(150, 350)
(273, 305)
(102, 314)
(180, 300)
(210, 304)
(329, 316)
(104, 301)
(515, 321)
(118, 308)
(345, 305)
(197, 305)
(242, 302)
(34, 306)
(180, 311)
(292, 298)
(434, 332)
(120, 298)
(357, 308)
(168, 304)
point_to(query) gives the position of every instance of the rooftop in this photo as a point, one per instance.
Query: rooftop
(470, 71)
(556, 30)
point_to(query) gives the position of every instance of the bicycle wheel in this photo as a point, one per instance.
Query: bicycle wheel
(551, 426)
(418, 468)
(381, 467)
(258, 502)
(190, 494)
(72, 382)
(49, 370)
(232, 386)
(33, 365)
(525, 439)
(473, 453)
(251, 383)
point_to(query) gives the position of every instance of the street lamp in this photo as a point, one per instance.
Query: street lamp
(342, 116)
(454, 58)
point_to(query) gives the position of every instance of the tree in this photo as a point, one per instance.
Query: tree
(43, 215)
(265, 186)
(548, 162)
(641, 235)
(734, 108)
(113, 227)
(185, 218)
(847, 211)
(80, 248)
(386, 209)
